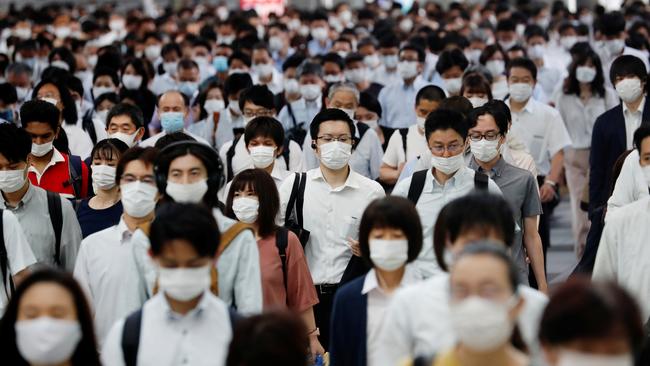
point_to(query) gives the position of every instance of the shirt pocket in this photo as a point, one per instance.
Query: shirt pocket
(350, 228)
(537, 147)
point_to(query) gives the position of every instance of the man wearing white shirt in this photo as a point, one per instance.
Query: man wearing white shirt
(448, 178)
(549, 78)
(612, 29)
(634, 179)
(184, 323)
(297, 115)
(266, 72)
(386, 73)
(112, 264)
(334, 200)
(171, 54)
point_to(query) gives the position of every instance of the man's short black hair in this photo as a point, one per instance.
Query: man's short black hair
(37, 110)
(451, 58)
(190, 222)
(628, 65)
(641, 134)
(147, 155)
(525, 63)
(126, 109)
(506, 25)
(74, 83)
(238, 55)
(15, 143)
(612, 24)
(293, 61)
(413, 47)
(169, 48)
(445, 119)
(258, 95)
(8, 94)
(265, 127)
(389, 41)
(534, 30)
(431, 93)
(187, 64)
(329, 115)
(333, 58)
(236, 83)
(496, 113)
(369, 102)
(458, 104)
(106, 71)
(352, 58)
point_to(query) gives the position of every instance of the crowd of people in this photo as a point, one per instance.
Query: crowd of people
(346, 186)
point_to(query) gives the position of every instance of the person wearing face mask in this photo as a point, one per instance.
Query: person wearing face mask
(265, 70)
(112, 265)
(369, 113)
(612, 27)
(367, 47)
(406, 145)
(257, 101)
(334, 199)
(211, 106)
(367, 154)
(202, 55)
(102, 105)
(125, 123)
(171, 55)
(286, 281)
(104, 209)
(450, 66)
(184, 243)
(448, 178)
(333, 65)
(291, 85)
(488, 128)
(358, 73)
(278, 38)
(506, 34)
(320, 42)
(604, 321)
(386, 73)
(48, 322)
(390, 237)
(584, 97)
(20, 76)
(634, 179)
(417, 321)
(153, 47)
(476, 88)
(613, 134)
(105, 80)
(548, 77)
(233, 87)
(494, 60)
(135, 81)
(84, 135)
(397, 99)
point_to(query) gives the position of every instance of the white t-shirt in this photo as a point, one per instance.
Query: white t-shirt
(416, 145)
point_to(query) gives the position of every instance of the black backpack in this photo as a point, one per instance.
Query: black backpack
(293, 219)
(404, 132)
(230, 154)
(76, 175)
(419, 177)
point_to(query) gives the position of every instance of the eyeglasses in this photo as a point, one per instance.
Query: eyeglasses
(452, 149)
(489, 136)
(327, 139)
(258, 113)
(130, 178)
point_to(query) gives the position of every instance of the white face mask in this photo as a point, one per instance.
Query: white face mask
(12, 180)
(262, 156)
(275, 43)
(573, 358)
(101, 116)
(47, 341)
(319, 33)
(356, 75)
(371, 61)
(420, 121)
(42, 149)
(138, 199)
(349, 112)
(629, 89)
(448, 165)
(536, 52)
(506, 45)
(477, 101)
(390, 61)
(234, 107)
(568, 42)
(291, 86)
(480, 324)
(374, 124)
(248, 119)
(495, 67)
(453, 85)
(614, 46)
(52, 101)
(263, 70)
(184, 284)
(310, 91)
(333, 78)
(22, 93)
(335, 155)
(646, 173)
(407, 69)
(152, 52)
(104, 176)
(520, 92)
(473, 55)
(246, 209)
(187, 193)
(129, 140)
(170, 68)
(484, 150)
(214, 105)
(388, 255)
(132, 82)
(585, 74)
(99, 90)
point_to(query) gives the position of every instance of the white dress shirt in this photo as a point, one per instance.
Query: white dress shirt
(242, 158)
(151, 141)
(111, 268)
(205, 127)
(19, 254)
(384, 77)
(416, 145)
(397, 101)
(79, 141)
(198, 338)
(303, 111)
(162, 84)
(632, 122)
(630, 186)
(541, 128)
(331, 215)
(434, 197)
(623, 252)
(549, 79)
(276, 85)
(418, 322)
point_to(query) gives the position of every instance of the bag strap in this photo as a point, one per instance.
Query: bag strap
(286, 151)
(363, 128)
(293, 116)
(292, 197)
(404, 133)
(131, 338)
(300, 199)
(229, 155)
(4, 261)
(480, 181)
(88, 126)
(282, 242)
(229, 235)
(76, 172)
(417, 185)
(56, 217)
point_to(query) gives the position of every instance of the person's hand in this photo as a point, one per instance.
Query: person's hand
(354, 245)
(546, 193)
(315, 347)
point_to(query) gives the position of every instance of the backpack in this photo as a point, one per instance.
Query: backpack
(293, 219)
(363, 128)
(419, 177)
(76, 175)
(88, 126)
(296, 133)
(404, 132)
(230, 154)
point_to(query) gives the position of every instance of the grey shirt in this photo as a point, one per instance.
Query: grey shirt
(519, 188)
(34, 217)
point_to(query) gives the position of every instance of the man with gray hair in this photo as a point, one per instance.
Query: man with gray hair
(19, 75)
(367, 155)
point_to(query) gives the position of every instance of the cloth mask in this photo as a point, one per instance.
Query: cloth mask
(310, 91)
(407, 69)
(335, 155)
(480, 324)
(629, 89)
(262, 156)
(138, 199)
(132, 82)
(214, 105)
(453, 85)
(129, 140)
(187, 193)
(104, 176)
(388, 255)
(520, 92)
(484, 150)
(172, 121)
(12, 180)
(585, 74)
(477, 101)
(42, 149)
(184, 284)
(246, 209)
(47, 341)
(573, 358)
(448, 165)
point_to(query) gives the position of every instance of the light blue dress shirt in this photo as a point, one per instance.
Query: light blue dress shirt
(397, 104)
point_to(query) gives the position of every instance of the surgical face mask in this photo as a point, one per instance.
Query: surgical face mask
(220, 63)
(101, 116)
(12, 180)
(152, 52)
(506, 45)
(480, 324)
(187, 193)
(104, 176)
(373, 123)
(138, 199)
(184, 284)
(646, 174)
(390, 61)
(310, 91)
(407, 69)
(23, 33)
(22, 93)
(335, 155)
(47, 341)
(371, 61)
(214, 105)
(536, 52)
(262, 156)
(573, 358)
(453, 85)
(42, 149)
(275, 43)
(99, 90)
(349, 112)
(496, 67)
(246, 209)
(585, 74)
(188, 87)
(291, 86)
(629, 89)
(420, 121)
(60, 64)
(473, 55)
(92, 60)
(248, 119)
(202, 61)
(129, 140)
(406, 25)
(52, 101)
(484, 150)
(356, 76)
(172, 121)
(263, 70)
(520, 92)
(319, 33)
(343, 54)
(448, 165)
(132, 82)
(225, 39)
(568, 42)
(477, 101)
(615, 46)
(233, 105)
(333, 78)
(388, 255)
(170, 68)
(79, 108)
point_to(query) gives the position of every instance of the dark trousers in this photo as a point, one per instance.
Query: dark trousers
(586, 264)
(323, 312)
(544, 231)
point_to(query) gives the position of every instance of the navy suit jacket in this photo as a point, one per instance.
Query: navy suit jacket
(348, 325)
(608, 142)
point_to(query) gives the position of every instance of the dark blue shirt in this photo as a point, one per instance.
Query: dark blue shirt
(92, 221)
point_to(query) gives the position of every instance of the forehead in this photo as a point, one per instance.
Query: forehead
(121, 120)
(428, 104)
(409, 53)
(520, 72)
(345, 96)
(172, 99)
(479, 269)
(38, 127)
(645, 145)
(138, 167)
(186, 162)
(334, 128)
(47, 294)
(448, 135)
(48, 89)
(485, 122)
(179, 249)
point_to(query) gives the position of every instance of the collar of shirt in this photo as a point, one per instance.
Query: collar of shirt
(351, 180)
(278, 173)
(431, 182)
(25, 200)
(57, 157)
(304, 103)
(123, 231)
(497, 169)
(639, 111)
(174, 316)
(529, 107)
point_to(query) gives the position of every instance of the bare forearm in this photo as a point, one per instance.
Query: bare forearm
(533, 245)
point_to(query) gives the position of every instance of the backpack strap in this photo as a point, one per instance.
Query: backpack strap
(76, 174)
(229, 235)
(300, 199)
(229, 155)
(292, 197)
(4, 261)
(480, 181)
(88, 126)
(424, 360)
(363, 128)
(131, 338)
(286, 151)
(282, 242)
(417, 185)
(291, 114)
(56, 217)
(404, 132)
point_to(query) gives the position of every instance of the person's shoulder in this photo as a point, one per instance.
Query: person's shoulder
(518, 172)
(629, 211)
(351, 289)
(401, 188)
(99, 237)
(367, 183)
(414, 293)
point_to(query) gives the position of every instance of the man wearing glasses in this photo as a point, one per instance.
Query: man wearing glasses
(488, 128)
(112, 264)
(449, 178)
(335, 197)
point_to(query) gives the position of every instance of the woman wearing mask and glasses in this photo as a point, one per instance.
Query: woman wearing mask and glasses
(48, 322)
(104, 209)
(390, 236)
(210, 104)
(286, 281)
